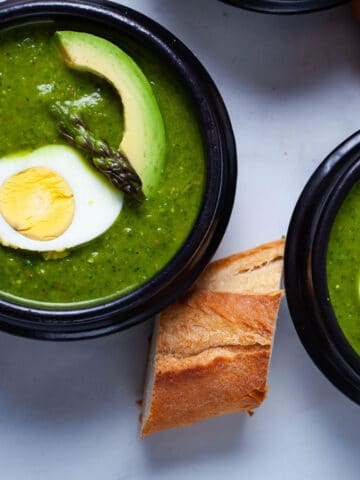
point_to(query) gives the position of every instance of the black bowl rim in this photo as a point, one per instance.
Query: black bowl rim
(305, 268)
(180, 273)
(334, 202)
(289, 7)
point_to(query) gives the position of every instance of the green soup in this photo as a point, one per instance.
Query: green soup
(343, 267)
(145, 237)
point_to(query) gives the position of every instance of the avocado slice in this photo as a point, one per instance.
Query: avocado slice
(144, 141)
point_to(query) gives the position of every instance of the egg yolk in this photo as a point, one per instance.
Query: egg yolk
(38, 203)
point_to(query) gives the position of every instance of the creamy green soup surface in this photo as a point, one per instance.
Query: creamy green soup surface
(343, 267)
(144, 237)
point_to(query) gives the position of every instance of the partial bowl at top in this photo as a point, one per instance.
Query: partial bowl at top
(105, 271)
(322, 274)
(285, 6)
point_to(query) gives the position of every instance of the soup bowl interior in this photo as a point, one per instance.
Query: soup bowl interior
(116, 23)
(306, 267)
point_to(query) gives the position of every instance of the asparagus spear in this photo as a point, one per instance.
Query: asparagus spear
(112, 163)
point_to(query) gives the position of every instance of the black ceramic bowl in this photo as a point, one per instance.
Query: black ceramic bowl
(305, 267)
(113, 22)
(285, 6)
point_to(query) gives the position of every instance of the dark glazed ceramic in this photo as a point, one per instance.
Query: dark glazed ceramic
(285, 6)
(305, 267)
(114, 22)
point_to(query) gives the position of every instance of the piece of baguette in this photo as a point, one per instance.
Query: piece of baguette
(211, 350)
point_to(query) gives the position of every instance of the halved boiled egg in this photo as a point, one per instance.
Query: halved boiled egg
(52, 199)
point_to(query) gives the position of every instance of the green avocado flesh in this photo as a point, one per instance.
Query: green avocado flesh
(343, 267)
(145, 237)
(143, 141)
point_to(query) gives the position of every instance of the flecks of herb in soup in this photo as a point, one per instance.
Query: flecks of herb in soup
(343, 267)
(143, 239)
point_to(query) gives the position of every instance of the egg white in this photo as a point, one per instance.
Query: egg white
(97, 202)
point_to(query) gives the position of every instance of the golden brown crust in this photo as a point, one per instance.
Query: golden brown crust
(213, 347)
(254, 271)
(206, 319)
(221, 386)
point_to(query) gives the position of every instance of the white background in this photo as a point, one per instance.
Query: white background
(68, 411)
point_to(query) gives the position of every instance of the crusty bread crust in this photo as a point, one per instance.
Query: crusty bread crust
(257, 270)
(213, 347)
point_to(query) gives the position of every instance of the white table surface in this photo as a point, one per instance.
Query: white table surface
(68, 411)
